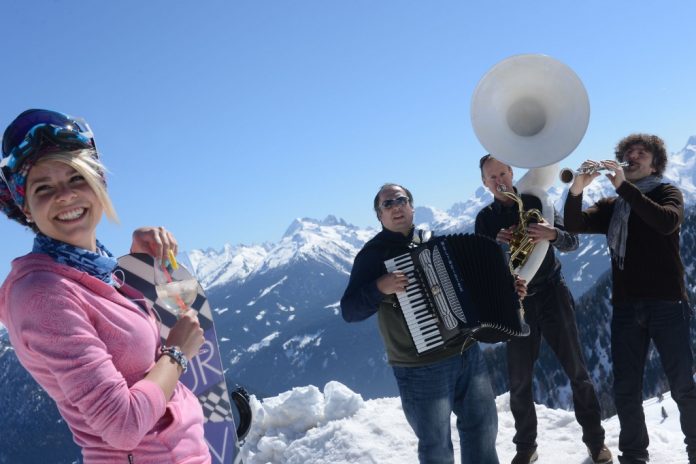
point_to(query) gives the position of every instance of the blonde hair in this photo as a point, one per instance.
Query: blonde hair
(88, 166)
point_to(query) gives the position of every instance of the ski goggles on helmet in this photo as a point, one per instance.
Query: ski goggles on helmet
(36, 130)
(32, 134)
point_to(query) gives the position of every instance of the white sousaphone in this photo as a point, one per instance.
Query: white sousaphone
(531, 111)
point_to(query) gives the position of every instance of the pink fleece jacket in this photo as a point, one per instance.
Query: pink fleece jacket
(90, 347)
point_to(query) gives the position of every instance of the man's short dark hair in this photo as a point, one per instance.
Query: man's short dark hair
(385, 186)
(483, 160)
(652, 143)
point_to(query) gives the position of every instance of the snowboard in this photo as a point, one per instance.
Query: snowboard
(205, 374)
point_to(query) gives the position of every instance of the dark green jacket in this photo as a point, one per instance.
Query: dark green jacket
(362, 299)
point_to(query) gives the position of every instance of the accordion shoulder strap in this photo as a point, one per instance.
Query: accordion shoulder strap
(421, 236)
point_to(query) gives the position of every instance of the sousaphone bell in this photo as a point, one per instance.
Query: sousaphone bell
(531, 111)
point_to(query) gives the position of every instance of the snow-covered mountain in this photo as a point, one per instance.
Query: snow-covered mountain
(232, 263)
(680, 170)
(331, 242)
(279, 324)
(282, 327)
(284, 315)
(337, 242)
(32, 429)
(281, 310)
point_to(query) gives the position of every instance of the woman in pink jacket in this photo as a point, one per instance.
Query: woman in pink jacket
(86, 337)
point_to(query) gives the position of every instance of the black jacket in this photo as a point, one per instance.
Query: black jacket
(497, 216)
(653, 268)
(362, 299)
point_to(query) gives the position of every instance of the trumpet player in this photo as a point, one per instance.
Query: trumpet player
(642, 225)
(550, 313)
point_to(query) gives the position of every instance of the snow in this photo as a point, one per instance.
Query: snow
(335, 307)
(263, 343)
(267, 290)
(229, 264)
(306, 426)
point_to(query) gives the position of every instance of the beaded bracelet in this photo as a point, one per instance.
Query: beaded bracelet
(177, 355)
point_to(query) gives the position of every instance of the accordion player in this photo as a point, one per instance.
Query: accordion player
(459, 286)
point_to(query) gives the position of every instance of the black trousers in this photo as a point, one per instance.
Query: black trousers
(633, 325)
(550, 313)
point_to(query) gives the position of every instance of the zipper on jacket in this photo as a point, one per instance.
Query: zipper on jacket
(130, 459)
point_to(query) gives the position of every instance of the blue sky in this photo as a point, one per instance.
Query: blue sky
(225, 120)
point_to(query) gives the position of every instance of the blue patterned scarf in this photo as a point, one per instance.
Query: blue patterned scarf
(99, 264)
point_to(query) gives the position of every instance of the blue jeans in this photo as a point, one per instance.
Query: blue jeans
(430, 394)
(633, 325)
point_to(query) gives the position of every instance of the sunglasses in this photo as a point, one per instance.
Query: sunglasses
(398, 201)
(34, 130)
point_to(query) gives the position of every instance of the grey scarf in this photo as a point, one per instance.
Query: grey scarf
(618, 226)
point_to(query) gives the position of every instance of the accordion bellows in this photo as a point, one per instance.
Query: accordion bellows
(459, 286)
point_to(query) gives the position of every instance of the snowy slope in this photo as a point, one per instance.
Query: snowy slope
(336, 426)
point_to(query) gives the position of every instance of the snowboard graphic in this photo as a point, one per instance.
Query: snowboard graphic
(204, 377)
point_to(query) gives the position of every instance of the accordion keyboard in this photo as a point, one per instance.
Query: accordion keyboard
(421, 322)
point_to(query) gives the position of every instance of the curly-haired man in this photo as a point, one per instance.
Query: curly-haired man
(649, 297)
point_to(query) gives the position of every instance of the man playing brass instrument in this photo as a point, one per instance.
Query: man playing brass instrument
(549, 311)
(649, 297)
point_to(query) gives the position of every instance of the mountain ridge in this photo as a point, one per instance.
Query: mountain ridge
(302, 234)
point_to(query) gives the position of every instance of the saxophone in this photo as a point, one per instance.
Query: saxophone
(521, 245)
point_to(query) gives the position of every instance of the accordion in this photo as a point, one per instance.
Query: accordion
(459, 286)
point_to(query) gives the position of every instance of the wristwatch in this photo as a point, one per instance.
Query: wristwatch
(176, 354)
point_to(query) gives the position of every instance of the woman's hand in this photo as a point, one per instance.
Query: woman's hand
(187, 334)
(155, 241)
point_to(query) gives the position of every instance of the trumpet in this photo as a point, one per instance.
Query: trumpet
(567, 175)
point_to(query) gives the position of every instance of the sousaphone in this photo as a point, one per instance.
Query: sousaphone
(531, 111)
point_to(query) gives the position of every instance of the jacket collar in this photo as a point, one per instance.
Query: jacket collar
(397, 236)
(498, 206)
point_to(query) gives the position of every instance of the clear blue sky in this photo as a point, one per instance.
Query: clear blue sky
(225, 120)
